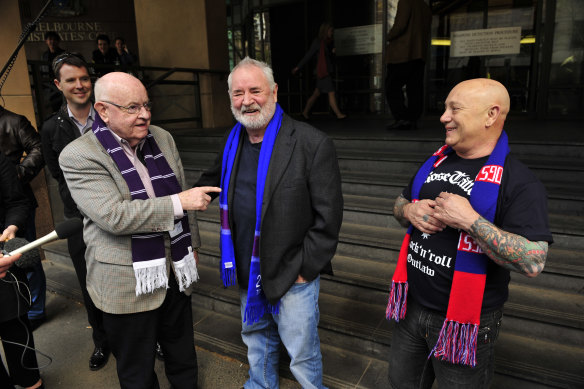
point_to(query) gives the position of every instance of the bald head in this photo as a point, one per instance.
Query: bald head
(486, 92)
(113, 83)
(474, 115)
(122, 103)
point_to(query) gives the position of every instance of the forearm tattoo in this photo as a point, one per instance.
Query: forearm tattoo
(398, 210)
(511, 251)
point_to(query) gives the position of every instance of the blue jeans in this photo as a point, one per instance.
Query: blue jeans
(415, 336)
(296, 325)
(37, 281)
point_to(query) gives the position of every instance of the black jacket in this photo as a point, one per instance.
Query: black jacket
(56, 133)
(14, 208)
(18, 136)
(302, 209)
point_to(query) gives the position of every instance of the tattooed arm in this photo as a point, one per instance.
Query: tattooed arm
(511, 251)
(398, 210)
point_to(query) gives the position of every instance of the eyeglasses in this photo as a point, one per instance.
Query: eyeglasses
(132, 109)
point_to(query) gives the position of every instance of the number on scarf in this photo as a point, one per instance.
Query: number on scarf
(259, 284)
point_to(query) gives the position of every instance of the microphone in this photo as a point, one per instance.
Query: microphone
(29, 259)
(63, 230)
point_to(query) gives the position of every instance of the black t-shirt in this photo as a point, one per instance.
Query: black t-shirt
(521, 209)
(244, 208)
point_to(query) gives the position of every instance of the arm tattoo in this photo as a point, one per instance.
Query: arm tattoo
(511, 251)
(398, 210)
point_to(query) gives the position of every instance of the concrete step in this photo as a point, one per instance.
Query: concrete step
(378, 211)
(346, 325)
(427, 145)
(366, 223)
(367, 281)
(388, 181)
(342, 369)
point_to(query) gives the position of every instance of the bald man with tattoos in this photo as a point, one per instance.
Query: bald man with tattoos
(474, 213)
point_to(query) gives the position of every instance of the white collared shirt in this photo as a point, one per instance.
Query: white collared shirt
(132, 155)
(83, 128)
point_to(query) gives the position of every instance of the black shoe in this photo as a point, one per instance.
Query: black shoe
(36, 323)
(159, 353)
(400, 125)
(99, 358)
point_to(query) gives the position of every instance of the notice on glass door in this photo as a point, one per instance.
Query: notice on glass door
(358, 40)
(492, 41)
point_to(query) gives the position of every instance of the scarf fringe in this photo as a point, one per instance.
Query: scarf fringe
(150, 278)
(457, 343)
(397, 304)
(254, 312)
(185, 271)
(229, 277)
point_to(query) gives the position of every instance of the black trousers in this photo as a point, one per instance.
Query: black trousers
(410, 74)
(132, 339)
(23, 371)
(77, 247)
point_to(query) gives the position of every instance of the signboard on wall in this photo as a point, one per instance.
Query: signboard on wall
(492, 41)
(358, 40)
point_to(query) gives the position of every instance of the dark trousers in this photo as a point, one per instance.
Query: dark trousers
(410, 74)
(23, 370)
(416, 335)
(132, 339)
(77, 247)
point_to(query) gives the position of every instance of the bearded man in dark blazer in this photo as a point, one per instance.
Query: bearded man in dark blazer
(281, 212)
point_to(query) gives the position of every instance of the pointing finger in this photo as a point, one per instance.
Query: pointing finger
(210, 189)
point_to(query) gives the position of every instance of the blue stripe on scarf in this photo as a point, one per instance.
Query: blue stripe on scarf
(257, 304)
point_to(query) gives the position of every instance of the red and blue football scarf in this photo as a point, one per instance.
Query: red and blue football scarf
(458, 337)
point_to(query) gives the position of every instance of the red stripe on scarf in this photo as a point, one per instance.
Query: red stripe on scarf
(466, 297)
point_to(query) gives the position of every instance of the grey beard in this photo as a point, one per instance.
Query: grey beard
(262, 120)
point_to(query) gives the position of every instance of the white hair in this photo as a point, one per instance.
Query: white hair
(264, 67)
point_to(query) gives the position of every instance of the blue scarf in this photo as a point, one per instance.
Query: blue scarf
(148, 252)
(257, 304)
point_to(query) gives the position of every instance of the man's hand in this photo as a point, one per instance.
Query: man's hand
(421, 216)
(6, 262)
(300, 279)
(455, 211)
(197, 199)
(8, 233)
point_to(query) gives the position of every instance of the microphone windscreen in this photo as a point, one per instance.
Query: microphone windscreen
(29, 258)
(69, 228)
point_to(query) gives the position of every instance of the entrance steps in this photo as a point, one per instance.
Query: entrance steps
(541, 343)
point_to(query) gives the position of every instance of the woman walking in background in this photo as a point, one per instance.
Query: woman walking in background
(323, 45)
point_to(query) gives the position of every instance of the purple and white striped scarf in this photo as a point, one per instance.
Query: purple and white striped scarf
(148, 252)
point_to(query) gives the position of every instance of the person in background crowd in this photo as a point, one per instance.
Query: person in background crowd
(73, 120)
(324, 46)
(53, 40)
(405, 56)
(104, 54)
(21, 144)
(124, 55)
(15, 328)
